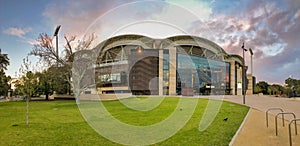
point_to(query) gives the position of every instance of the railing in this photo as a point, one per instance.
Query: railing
(275, 108)
(282, 113)
(290, 133)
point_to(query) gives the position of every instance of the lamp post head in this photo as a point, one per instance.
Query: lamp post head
(243, 47)
(251, 52)
(56, 30)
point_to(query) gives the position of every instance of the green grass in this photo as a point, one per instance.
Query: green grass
(61, 123)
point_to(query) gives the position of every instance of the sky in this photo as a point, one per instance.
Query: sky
(270, 28)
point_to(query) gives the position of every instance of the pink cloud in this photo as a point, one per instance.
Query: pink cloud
(17, 31)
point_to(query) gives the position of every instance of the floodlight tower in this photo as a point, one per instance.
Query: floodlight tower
(56, 37)
(251, 53)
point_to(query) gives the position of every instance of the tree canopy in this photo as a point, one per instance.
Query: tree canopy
(4, 62)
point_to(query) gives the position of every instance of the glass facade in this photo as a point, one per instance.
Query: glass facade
(166, 72)
(200, 75)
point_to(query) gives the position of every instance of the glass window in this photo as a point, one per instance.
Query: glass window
(196, 72)
(115, 77)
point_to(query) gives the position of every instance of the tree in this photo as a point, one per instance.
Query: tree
(292, 82)
(298, 91)
(60, 66)
(29, 81)
(58, 77)
(4, 86)
(45, 83)
(263, 86)
(256, 89)
(28, 85)
(293, 85)
(4, 62)
(83, 71)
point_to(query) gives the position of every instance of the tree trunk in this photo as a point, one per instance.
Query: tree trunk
(47, 96)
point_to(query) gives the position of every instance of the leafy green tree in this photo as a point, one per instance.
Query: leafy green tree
(29, 81)
(292, 82)
(298, 91)
(4, 62)
(293, 85)
(29, 85)
(263, 86)
(275, 89)
(256, 89)
(59, 79)
(45, 84)
(4, 86)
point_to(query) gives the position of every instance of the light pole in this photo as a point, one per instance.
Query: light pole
(244, 75)
(251, 53)
(56, 36)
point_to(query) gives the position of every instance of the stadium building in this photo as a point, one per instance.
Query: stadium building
(178, 65)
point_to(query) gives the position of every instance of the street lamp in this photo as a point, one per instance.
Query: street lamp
(56, 35)
(244, 75)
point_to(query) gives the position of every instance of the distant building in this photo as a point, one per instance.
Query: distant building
(13, 82)
(179, 65)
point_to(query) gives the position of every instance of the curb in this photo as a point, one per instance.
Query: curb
(238, 131)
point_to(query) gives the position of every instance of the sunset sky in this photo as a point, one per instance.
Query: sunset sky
(270, 27)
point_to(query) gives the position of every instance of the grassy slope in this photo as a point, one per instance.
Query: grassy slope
(60, 123)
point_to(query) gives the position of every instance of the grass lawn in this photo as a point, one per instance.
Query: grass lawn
(61, 123)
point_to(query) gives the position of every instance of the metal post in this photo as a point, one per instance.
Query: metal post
(244, 75)
(244, 87)
(275, 108)
(276, 129)
(290, 133)
(57, 48)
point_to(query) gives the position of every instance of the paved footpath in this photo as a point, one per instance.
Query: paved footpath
(254, 131)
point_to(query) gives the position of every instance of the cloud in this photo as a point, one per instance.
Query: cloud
(75, 15)
(108, 18)
(20, 32)
(201, 9)
(270, 28)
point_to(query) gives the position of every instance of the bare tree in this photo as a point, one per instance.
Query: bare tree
(83, 72)
(45, 50)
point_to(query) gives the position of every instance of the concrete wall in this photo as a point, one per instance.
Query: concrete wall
(172, 70)
(160, 72)
(250, 84)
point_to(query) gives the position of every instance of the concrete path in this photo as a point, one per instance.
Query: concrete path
(254, 130)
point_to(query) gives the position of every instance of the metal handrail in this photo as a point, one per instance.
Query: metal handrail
(290, 133)
(275, 108)
(282, 113)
